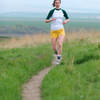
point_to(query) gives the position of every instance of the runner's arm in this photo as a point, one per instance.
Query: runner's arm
(66, 21)
(49, 20)
(49, 16)
(66, 17)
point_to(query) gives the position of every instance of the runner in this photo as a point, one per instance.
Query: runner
(55, 16)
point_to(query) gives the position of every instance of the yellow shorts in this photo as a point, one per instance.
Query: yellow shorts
(57, 33)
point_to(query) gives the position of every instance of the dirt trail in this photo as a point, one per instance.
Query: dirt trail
(31, 90)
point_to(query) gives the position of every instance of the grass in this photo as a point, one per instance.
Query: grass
(26, 41)
(78, 75)
(18, 65)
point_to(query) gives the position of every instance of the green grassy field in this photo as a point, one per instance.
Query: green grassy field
(18, 65)
(76, 78)
(78, 75)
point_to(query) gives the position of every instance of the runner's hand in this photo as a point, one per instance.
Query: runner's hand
(53, 19)
(65, 22)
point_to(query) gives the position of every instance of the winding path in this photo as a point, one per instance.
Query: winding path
(31, 90)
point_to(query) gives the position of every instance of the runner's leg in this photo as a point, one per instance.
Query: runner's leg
(54, 41)
(60, 44)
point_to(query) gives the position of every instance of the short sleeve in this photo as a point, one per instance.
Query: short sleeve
(50, 14)
(65, 14)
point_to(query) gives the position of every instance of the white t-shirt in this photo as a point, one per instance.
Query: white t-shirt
(59, 14)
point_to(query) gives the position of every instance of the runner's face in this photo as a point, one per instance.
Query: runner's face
(57, 3)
